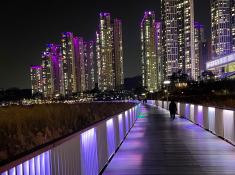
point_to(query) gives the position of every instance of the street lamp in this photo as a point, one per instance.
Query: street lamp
(167, 82)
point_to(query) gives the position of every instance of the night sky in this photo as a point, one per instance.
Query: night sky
(27, 27)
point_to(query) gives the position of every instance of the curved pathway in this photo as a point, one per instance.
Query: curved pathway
(158, 145)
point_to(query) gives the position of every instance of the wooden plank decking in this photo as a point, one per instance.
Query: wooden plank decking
(158, 145)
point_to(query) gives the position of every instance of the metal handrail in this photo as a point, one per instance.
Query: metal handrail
(45, 147)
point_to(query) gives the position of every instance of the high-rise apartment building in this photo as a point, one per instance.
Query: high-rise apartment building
(79, 64)
(160, 68)
(222, 47)
(205, 55)
(109, 53)
(149, 55)
(117, 54)
(51, 71)
(170, 37)
(199, 37)
(233, 23)
(68, 64)
(178, 36)
(89, 65)
(104, 42)
(36, 79)
(189, 54)
(221, 28)
(73, 66)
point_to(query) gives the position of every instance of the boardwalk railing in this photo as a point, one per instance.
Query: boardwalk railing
(86, 152)
(220, 122)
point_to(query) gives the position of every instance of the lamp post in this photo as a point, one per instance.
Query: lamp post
(167, 82)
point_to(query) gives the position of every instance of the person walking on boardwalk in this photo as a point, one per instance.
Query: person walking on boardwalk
(173, 109)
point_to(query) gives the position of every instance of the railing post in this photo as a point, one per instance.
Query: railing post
(229, 125)
(219, 122)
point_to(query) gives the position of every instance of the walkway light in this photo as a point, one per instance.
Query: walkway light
(167, 82)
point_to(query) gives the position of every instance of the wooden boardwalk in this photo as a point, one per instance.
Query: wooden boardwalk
(158, 145)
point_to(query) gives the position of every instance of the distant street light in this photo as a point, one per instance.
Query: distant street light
(167, 82)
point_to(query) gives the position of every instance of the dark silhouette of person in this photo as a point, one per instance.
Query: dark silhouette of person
(145, 100)
(173, 109)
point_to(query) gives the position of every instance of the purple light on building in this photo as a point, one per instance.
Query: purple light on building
(146, 13)
(143, 20)
(36, 67)
(104, 14)
(68, 34)
(198, 25)
(51, 70)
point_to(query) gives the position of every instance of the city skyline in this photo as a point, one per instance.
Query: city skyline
(31, 55)
(69, 67)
